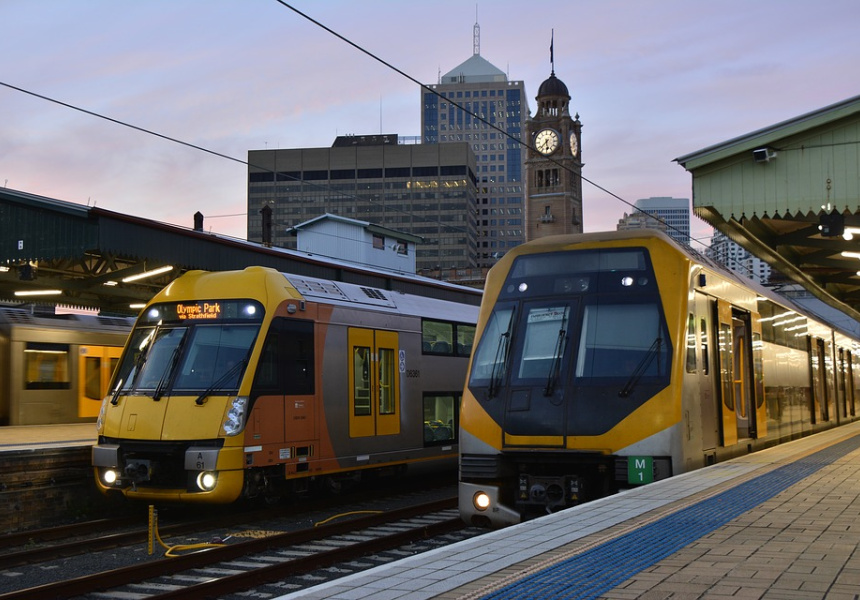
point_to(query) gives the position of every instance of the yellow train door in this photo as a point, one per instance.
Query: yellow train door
(95, 367)
(374, 383)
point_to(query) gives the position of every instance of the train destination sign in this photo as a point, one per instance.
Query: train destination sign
(198, 311)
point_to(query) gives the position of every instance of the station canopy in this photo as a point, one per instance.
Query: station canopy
(60, 253)
(790, 195)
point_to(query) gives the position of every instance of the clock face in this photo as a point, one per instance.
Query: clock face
(574, 144)
(546, 141)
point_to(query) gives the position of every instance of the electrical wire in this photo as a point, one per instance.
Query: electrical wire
(473, 115)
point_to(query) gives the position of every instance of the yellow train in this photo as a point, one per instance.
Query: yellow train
(55, 368)
(257, 383)
(609, 360)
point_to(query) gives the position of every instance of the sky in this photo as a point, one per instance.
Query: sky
(651, 80)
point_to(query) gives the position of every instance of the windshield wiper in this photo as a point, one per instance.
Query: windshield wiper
(137, 368)
(499, 361)
(218, 383)
(552, 376)
(643, 365)
(168, 372)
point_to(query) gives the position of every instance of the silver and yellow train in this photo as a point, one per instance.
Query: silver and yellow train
(608, 360)
(55, 368)
(256, 383)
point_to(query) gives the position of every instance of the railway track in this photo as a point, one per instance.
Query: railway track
(273, 559)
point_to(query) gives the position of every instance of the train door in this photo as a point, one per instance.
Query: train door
(699, 333)
(841, 395)
(850, 395)
(741, 388)
(820, 410)
(96, 364)
(374, 383)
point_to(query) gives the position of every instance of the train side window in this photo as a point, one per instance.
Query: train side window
(437, 337)
(703, 339)
(361, 363)
(440, 417)
(465, 339)
(387, 370)
(93, 377)
(46, 366)
(447, 338)
(691, 344)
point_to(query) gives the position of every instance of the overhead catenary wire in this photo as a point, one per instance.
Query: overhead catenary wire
(474, 115)
(338, 193)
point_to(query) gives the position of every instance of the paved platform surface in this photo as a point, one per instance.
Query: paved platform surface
(779, 524)
(34, 437)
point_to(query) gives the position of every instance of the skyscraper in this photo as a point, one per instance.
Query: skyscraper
(674, 212)
(477, 87)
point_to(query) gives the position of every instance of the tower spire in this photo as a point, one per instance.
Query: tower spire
(551, 57)
(476, 35)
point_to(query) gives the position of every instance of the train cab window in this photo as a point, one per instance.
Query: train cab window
(286, 364)
(440, 417)
(491, 356)
(623, 340)
(544, 342)
(46, 366)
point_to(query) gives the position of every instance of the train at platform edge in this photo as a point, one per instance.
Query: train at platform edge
(259, 384)
(609, 360)
(56, 368)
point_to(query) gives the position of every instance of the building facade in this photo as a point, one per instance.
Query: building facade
(674, 212)
(424, 190)
(476, 86)
(359, 242)
(733, 256)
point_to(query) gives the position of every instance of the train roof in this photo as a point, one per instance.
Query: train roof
(19, 317)
(349, 294)
(553, 242)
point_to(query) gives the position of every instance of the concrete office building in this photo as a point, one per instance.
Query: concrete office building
(674, 212)
(485, 90)
(424, 190)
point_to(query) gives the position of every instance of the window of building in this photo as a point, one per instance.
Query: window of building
(378, 242)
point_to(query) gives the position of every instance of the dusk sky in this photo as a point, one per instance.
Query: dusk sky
(651, 80)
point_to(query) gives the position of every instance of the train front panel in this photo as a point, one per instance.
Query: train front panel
(172, 427)
(570, 392)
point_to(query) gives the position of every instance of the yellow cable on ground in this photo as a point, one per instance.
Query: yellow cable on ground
(346, 514)
(171, 551)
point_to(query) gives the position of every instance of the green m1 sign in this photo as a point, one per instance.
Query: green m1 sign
(640, 469)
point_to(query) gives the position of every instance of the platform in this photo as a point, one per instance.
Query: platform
(35, 437)
(781, 523)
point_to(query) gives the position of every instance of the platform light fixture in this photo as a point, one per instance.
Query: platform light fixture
(849, 233)
(23, 293)
(146, 274)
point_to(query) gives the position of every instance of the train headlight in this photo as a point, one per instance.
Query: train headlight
(235, 421)
(109, 476)
(206, 481)
(481, 500)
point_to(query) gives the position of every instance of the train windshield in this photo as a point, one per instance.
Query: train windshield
(587, 317)
(170, 352)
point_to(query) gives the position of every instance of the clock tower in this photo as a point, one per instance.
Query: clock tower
(553, 165)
